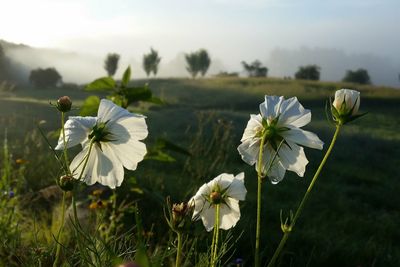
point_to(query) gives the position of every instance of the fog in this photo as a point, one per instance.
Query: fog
(83, 67)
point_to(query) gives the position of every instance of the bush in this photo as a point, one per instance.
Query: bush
(309, 72)
(360, 76)
(45, 78)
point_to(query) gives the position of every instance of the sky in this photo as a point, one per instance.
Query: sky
(231, 30)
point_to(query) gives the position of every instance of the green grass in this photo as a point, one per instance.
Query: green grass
(352, 216)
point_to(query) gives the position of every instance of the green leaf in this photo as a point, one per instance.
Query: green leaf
(105, 83)
(127, 77)
(90, 106)
(135, 94)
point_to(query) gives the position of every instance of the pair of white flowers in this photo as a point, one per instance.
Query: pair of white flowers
(279, 122)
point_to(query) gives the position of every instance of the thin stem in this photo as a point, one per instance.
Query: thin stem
(59, 234)
(179, 250)
(304, 200)
(60, 230)
(215, 241)
(259, 191)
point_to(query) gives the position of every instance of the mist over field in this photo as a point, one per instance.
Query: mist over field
(83, 67)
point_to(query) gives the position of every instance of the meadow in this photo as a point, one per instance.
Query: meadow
(352, 216)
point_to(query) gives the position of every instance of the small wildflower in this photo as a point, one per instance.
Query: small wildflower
(93, 206)
(64, 104)
(279, 122)
(113, 139)
(225, 190)
(11, 194)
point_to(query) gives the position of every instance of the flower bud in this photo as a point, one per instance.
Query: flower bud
(66, 183)
(179, 211)
(64, 104)
(347, 101)
(346, 105)
(215, 197)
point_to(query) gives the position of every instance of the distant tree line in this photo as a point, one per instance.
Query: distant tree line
(197, 63)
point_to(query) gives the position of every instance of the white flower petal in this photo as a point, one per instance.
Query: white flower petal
(293, 158)
(249, 150)
(293, 113)
(109, 112)
(76, 131)
(129, 154)
(136, 127)
(109, 169)
(302, 137)
(271, 106)
(208, 217)
(277, 172)
(237, 190)
(89, 174)
(254, 125)
(229, 214)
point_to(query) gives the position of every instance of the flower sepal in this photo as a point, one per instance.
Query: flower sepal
(286, 225)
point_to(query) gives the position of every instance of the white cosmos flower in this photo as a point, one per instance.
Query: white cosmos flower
(346, 101)
(115, 134)
(228, 190)
(280, 119)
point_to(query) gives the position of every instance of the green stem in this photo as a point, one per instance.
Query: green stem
(59, 234)
(215, 241)
(60, 230)
(304, 200)
(259, 191)
(179, 250)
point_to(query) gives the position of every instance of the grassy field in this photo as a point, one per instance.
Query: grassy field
(352, 217)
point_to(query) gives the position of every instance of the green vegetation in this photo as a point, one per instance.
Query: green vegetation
(350, 220)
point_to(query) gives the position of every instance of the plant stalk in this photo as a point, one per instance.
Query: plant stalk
(305, 198)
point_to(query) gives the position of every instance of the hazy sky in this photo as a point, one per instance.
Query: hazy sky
(232, 30)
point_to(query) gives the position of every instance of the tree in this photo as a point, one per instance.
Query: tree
(255, 69)
(309, 72)
(358, 76)
(198, 62)
(111, 63)
(150, 62)
(45, 77)
(204, 61)
(192, 64)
